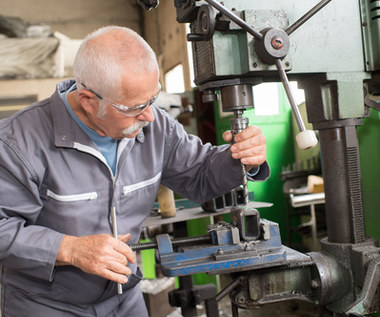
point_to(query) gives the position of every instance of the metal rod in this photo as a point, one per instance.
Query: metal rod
(306, 16)
(236, 19)
(285, 83)
(175, 242)
(115, 235)
(234, 310)
(225, 291)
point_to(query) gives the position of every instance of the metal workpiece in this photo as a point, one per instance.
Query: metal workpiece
(248, 222)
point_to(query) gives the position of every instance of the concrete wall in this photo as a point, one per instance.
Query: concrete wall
(76, 18)
(168, 38)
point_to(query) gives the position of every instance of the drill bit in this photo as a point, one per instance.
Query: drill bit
(245, 184)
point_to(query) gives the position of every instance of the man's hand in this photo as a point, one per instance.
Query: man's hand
(250, 146)
(100, 254)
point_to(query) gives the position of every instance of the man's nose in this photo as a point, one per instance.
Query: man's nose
(146, 115)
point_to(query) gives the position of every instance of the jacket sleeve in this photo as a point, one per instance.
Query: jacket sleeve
(200, 171)
(24, 246)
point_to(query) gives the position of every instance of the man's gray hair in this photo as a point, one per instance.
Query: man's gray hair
(108, 52)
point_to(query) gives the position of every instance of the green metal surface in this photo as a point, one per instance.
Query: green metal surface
(369, 147)
(225, 46)
(148, 264)
(310, 42)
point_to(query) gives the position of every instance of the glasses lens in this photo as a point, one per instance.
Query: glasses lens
(136, 111)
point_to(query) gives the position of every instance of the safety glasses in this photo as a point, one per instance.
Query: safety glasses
(127, 111)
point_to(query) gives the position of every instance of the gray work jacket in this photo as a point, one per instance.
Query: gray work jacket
(54, 181)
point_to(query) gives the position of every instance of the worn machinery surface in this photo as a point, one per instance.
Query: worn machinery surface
(332, 49)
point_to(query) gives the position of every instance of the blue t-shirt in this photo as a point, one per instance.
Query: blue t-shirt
(107, 145)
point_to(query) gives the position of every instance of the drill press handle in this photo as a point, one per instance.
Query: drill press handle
(272, 45)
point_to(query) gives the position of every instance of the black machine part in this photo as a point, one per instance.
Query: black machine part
(148, 4)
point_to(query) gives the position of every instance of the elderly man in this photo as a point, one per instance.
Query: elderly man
(98, 143)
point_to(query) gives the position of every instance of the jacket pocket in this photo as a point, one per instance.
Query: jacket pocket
(74, 197)
(133, 187)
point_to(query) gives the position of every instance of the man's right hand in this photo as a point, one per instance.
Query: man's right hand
(100, 254)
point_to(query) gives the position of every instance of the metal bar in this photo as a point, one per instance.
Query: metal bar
(115, 235)
(234, 310)
(285, 82)
(175, 242)
(313, 221)
(233, 17)
(225, 291)
(306, 16)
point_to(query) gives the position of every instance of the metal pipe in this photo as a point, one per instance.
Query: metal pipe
(225, 291)
(285, 82)
(175, 242)
(115, 235)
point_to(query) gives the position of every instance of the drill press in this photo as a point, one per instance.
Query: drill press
(331, 48)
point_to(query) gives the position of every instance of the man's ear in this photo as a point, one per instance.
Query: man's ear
(86, 99)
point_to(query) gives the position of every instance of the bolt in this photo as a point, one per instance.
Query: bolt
(277, 42)
(241, 299)
(220, 252)
(254, 65)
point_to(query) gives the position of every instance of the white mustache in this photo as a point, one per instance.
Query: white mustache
(135, 127)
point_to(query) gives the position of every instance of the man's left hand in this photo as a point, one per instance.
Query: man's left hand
(249, 147)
